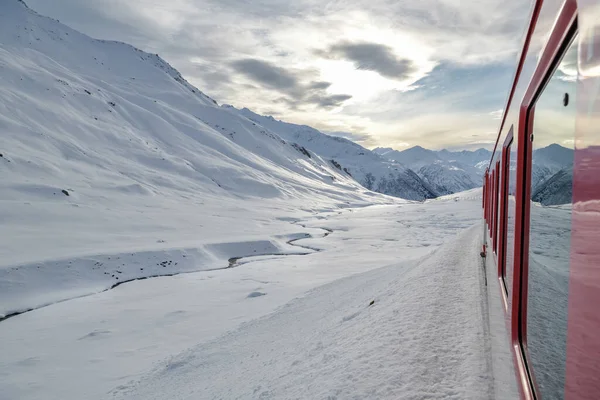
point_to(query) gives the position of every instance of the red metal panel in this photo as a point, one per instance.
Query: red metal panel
(492, 208)
(559, 34)
(583, 329)
(491, 196)
(487, 200)
(496, 205)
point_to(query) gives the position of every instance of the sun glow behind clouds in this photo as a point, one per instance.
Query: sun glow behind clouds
(345, 78)
(369, 67)
(301, 40)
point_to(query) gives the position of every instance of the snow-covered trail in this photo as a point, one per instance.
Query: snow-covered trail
(423, 337)
(87, 347)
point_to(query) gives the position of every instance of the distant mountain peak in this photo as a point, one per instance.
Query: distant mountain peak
(555, 146)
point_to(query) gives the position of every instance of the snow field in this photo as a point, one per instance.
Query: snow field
(90, 346)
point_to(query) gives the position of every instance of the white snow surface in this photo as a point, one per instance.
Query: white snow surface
(113, 164)
(423, 337)
(236, 230)
(114, 342)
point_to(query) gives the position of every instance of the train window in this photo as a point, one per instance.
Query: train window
(511, 215)
(504, 201)
(496, 207)
(550, 227)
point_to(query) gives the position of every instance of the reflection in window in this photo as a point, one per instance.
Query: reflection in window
(497, 216)
(550, 228)
(502, 229)
(511, 215)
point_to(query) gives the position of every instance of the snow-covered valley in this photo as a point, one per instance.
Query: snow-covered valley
(158, 245)
(102, 344)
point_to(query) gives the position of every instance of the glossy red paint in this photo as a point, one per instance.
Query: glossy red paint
(492, 194)
(583, 339)
(496, 206)
(559, 35)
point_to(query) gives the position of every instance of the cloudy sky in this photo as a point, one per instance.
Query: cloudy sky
(396, 73)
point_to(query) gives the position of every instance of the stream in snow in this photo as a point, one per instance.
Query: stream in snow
(89, 346)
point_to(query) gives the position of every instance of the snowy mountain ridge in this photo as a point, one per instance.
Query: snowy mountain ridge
(98, 130)
(455, 171)
(445, 171)
(367, 167)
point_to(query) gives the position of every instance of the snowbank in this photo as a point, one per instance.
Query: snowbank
(422, 337)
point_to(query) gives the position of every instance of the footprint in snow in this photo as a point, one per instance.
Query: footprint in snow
(255, 294)
(351, 316)
(94, 334)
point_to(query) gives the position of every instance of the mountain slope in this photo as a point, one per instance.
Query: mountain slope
(558, 189)
(368, 168)
(414, 157)
(445, 171)
(547, 162)
(123, 117)
(471, 158)
(447, 178)
(100, 131)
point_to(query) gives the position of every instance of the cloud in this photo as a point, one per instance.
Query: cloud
(290, 83)
(267, 74)
(329, 101)
(319, 85)
(261, 54)
(371, 57)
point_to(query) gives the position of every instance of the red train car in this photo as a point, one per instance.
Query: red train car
(541, 209)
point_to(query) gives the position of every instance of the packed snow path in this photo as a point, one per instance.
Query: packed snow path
(104, 343)
(422, 337)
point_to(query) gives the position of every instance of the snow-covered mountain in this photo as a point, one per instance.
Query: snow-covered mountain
(373, 171)
(473, 158)
(553, 156)
(445, 171)
(549, 160)
(87, 115)
(414, 157)
(108, 104)
(558, 189)
(454, 171)
(552, 175)
(448, 178)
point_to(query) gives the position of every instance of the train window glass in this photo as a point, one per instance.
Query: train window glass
(491, 201)
(504, 203)
(550, 227)
(511, 214)
(497, 211)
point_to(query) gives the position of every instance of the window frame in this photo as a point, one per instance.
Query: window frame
(505, 189)
(497, 194)
(561, 36)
